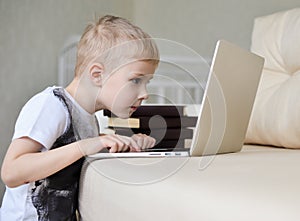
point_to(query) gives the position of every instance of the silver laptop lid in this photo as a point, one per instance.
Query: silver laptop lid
(228, 100)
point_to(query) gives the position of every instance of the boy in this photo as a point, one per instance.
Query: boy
(57, 127)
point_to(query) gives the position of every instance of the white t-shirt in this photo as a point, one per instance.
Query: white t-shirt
(44, 118)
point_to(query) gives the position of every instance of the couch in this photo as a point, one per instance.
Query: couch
(259, 183)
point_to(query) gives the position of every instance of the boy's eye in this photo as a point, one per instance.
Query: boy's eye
(136, 80)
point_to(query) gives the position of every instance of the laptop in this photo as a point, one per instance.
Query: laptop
(226, 106)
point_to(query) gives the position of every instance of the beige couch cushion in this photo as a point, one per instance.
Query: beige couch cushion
(258, 183)
(276, 116)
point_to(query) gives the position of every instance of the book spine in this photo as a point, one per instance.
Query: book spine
(150, 110)
(153, 122)
(167, 122)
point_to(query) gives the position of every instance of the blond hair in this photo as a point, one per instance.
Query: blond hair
(114, 41)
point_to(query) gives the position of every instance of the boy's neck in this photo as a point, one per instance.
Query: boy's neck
(84, 97)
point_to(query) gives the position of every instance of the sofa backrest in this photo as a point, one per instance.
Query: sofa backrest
(275, 118)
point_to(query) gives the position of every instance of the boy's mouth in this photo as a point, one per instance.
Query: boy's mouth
(134, 107)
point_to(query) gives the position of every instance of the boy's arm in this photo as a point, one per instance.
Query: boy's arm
(25, 163)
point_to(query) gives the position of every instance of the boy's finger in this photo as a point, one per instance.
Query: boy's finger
(126, 143)
(117, 145)
(131, 142)
(113, 148)
(120, 143)
(139, 141)
(153, 141)
(135, 145)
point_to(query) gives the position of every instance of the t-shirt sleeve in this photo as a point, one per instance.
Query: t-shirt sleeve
(43, 119)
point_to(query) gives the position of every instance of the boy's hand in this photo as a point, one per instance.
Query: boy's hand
(116, 143)
(143, 141)
(122, 144)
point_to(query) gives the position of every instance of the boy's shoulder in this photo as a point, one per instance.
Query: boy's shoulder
(45, 99)
(47, 93)
(43, 118)
(50, 93)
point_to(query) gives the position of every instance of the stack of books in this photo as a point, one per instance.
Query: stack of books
(168, 124)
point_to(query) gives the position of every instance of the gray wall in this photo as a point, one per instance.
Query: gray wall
(200, 23)
(33, 31)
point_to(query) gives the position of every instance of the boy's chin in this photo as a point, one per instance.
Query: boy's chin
(123, 115)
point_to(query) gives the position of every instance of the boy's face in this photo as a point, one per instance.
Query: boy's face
(124, 90)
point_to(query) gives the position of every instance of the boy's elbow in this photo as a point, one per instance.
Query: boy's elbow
(9, 179)
(5, 179)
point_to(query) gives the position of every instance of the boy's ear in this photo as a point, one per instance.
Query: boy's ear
(96, 73)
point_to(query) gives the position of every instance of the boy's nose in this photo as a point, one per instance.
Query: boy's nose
(144, 95)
